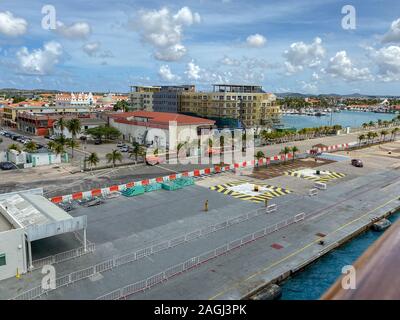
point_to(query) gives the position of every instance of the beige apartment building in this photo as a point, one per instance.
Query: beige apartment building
(141, 97)
(233, 106)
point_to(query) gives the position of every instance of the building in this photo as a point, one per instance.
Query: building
(26, 217)
(12, 111)
(168, 98)
(44, 123)
(152, 128)
(86, 123)
(78, 100)
(141, 97)
(232, 106)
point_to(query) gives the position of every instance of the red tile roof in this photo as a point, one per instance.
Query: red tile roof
(162, 117)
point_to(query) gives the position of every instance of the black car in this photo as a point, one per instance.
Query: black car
(357, 163)
(7, 165)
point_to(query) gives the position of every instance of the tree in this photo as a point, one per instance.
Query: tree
(383, 134)
(113, 157)
(285, 151)
(30, 147)
(136, 151)
(60, 124)
(294, 149)
(179, 147)
(15, 147)
(394, 133)
(74, 127)
(260, 155)
(361, 137)
(105, 131)
(93, 160)
(121, 105)
(71, 143)
(58, 148)
(370, 135)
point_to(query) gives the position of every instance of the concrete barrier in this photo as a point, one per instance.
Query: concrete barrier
(320, 186)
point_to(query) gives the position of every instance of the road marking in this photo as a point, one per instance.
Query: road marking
(299, 250)
(161, 167)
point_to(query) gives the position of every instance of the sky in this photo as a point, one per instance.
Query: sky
(306, 46)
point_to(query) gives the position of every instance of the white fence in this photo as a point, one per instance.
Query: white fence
(132, 256)
(197, 261)
(320, 186)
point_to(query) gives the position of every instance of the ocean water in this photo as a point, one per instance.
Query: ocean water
(345, 119)
(317, 278)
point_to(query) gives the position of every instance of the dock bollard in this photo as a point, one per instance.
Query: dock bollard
(206, 206)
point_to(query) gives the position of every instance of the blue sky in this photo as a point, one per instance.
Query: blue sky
(297, 46)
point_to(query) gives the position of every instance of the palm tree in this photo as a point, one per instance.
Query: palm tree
(361, 137)
(179, 147)
(15, 147)
(58, 149)
(61, 123)
(136, 151)
(93, 160)
(71, 143)
(30, 147)
(113, 157)
(394, 133)
(74, 127)
(285, 151)
(51, 145)
(370, 135)
(383, 134)
(294, 150)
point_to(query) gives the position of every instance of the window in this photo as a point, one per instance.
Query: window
(2, 259)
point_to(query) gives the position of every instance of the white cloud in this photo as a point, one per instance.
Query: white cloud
(229, 61)
(393, 35)
(164, 31)
(193, 71)
(309, 87)
(91, 48)
(40, 61)
(387, 60)
(315, 76)
(166, 74)
(77, 30)
(256, 40)
(341, 66)
(12, 26)
(301, 55)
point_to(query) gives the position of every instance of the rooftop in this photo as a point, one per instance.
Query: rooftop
(160, 118)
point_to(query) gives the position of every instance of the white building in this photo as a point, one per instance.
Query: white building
(152, 128)
(65, 100)
(86, 123)
(25, 217)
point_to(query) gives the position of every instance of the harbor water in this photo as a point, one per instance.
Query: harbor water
(344, 118)
(316, 279)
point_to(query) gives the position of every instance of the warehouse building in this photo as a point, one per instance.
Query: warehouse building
(25, 217)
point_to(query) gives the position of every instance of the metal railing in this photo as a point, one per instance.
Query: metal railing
(196, 261)
(136, 255)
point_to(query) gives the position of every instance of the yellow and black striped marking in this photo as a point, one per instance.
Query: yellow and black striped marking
(260, 197)
(327, 176)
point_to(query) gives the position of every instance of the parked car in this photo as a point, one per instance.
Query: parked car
(120, 144)
(124, 149)
(97, 142)
(7, 165)
(357, 163)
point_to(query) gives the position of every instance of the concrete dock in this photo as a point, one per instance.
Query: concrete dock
(124, 225)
